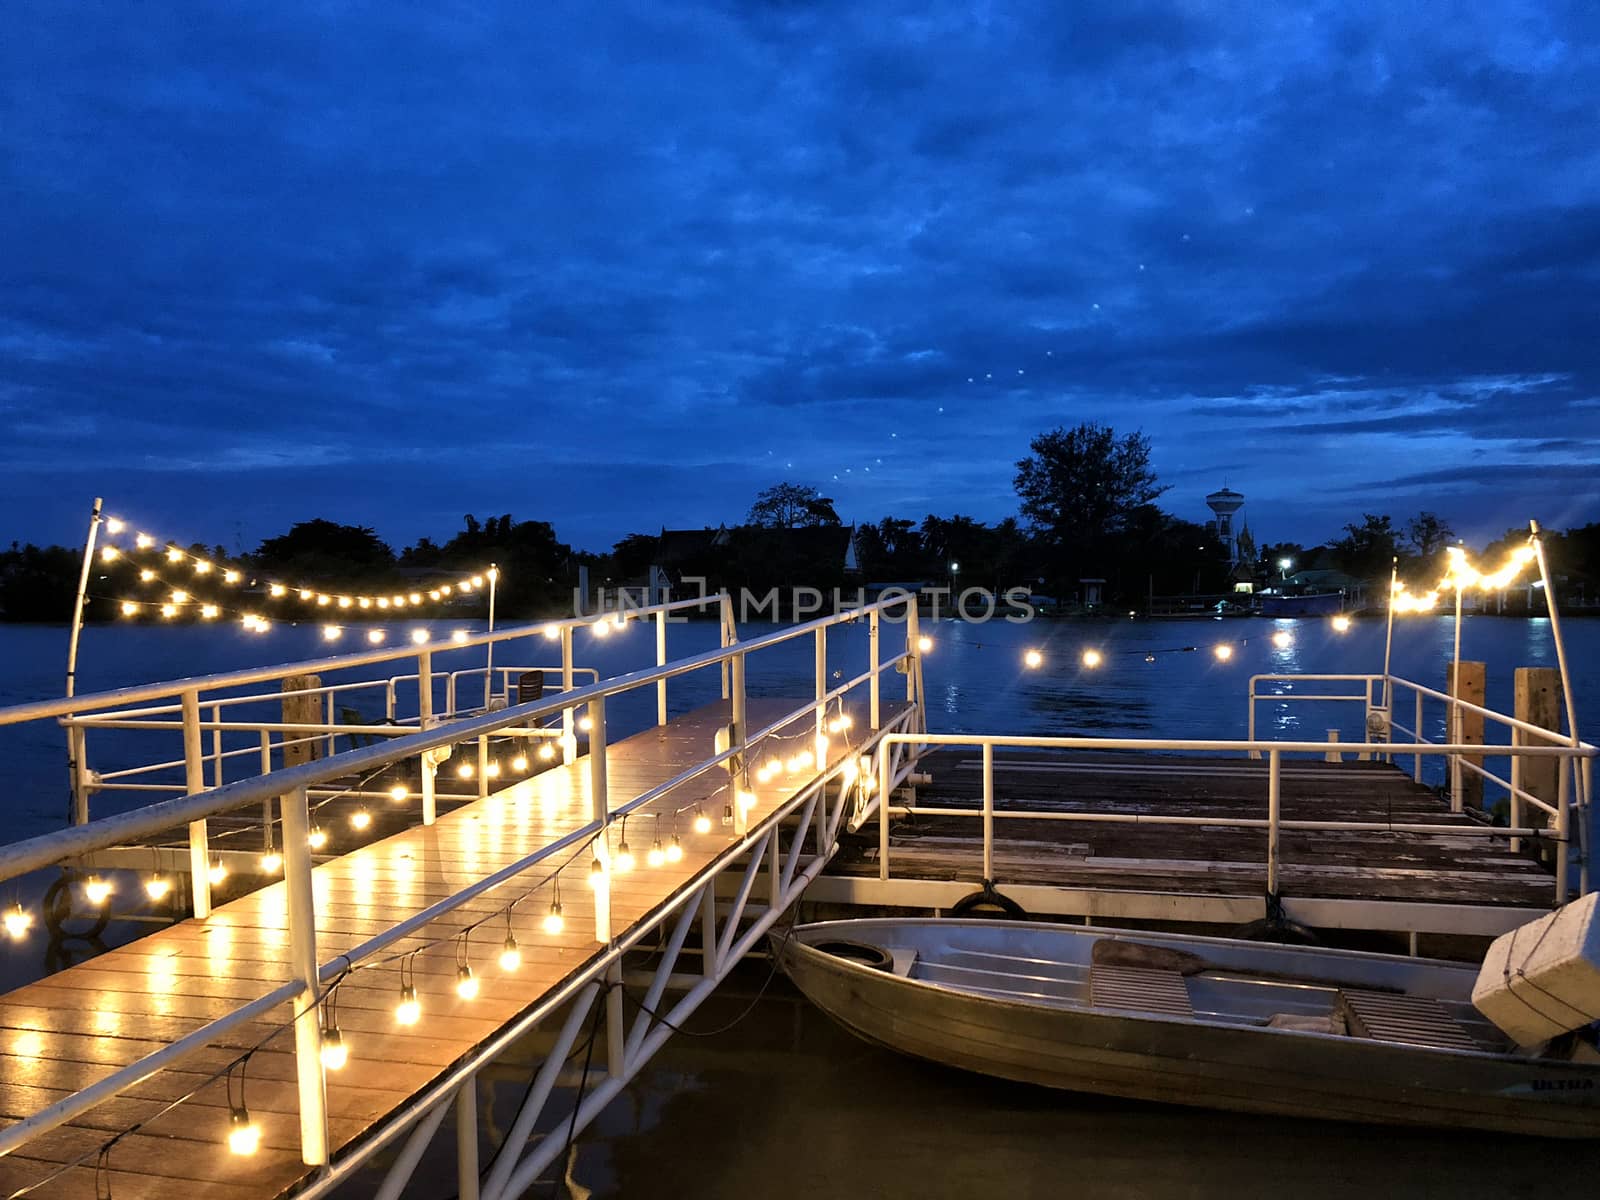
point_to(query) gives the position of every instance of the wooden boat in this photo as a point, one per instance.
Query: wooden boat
(1210, 1022)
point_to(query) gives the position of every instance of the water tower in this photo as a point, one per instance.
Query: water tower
(1225, 503)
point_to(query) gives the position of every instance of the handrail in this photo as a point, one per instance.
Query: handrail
(47, 849)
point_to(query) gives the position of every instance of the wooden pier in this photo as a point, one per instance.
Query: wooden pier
(1125, 868)
(61, 1034)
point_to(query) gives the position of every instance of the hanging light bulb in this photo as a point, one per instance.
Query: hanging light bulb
(157, 887)
(218, 872)
(17, 922)
(924, 645)
(657, 854)
(419, 637)
(1223, 651)
(363, 601)
(624, 861)
(277, 591)
(323, 600)
(601, 629)
(209, 612)
(129, 608)
(519, 763)
(552, 632)
(409, 1009)
(230, 576)
(244, 1135)
(330, 633)
(346, 602)
(334, 1052)
(376, 636)
(414, 598)
(434, 594)
(674, 850)
(702, 823)
(96, 890)
(510, 954)
(466, 983)
(271, 862)
(1092, 659)
(554, 922)
(492, 770)
(202, 567)
(317, 838)
(547, 752)
(597, 872)
(147, 575)
(747, 800)
(1282, 639)
(174, 554)
(1033, 660)
(465, 771)
(1341, 624)
(144, 541)
(110, 554)
(179, 596)
(360, 819)
(460, 635)
(585, 724)
(114, 525)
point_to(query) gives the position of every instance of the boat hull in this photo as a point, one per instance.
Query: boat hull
(1184, 1061)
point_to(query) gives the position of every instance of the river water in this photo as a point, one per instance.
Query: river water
(784, 1105)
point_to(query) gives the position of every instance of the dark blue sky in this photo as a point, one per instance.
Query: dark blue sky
(615, 266)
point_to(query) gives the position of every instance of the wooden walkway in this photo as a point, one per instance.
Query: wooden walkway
(66, 1031)
(1209, 859)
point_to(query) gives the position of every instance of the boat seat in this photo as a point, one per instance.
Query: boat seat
(1412, 1020)
(1143, 989)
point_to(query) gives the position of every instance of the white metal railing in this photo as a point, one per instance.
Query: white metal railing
(1270, 821)
(291, 787)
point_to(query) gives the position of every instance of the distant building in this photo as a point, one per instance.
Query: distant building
(1225, 504)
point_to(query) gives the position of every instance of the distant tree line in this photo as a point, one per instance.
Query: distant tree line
(1086, 510)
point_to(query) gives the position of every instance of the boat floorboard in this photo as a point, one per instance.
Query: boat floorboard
(68, 1030)
(1207, 859)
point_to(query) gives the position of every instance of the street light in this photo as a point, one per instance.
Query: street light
(1283, 567)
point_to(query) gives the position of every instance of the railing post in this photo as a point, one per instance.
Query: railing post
(821, 658)
(78, 749)
(569, 735)
(427, 768)
(328, 720)
(266, 805)
(883, 810)
(601, 812)
(216, 746)
(988, 811)
(467, 1140)
(194, 771)
(388, 702)
(725, 618)
(872, 658)
(739, 765)
(483, 766)
(1274, 788)
(303, 953)
(661, 661)
(1515, 816)
(1250, 724)
(1416, 759)
(1563, 828)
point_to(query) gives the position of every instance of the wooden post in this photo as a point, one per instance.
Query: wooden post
(1537, 700)
(1467, 683)
(300, 709)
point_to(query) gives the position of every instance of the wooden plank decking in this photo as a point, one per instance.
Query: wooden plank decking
(1212, 859)
(66, 1031)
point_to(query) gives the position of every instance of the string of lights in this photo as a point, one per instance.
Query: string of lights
(1460, 575)
(1094, 657)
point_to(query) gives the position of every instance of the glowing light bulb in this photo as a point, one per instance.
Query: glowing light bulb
(277, 591)
(1282, 639)
(383, 602)
(230, 576)
(585, 724)
(271, 862)
(466, 983)
(747, 800)
(217, 873)
(307, 594)
(174, 554)
(97, 891)
(375, 636)
(674, 850)
(334, 1052)
(202, 567)
(601, 629)
(129, 608)
(510, 955)
(1341, 623)
(330, 633)
(492, 770)
(399, 792)
(924, 645)
(1092, 659)
(773, 766)
(445, 590)
(1033, 660)
(147, 576)
(209, 612)
(552, 632)
(624, 861)
(702, 823)
(597, 872)
(434, 594)
(178, 596)
(465, 585)
(144, 541)
(113, 525)
(317, 838)
(244, 1135)
(346, 602)
(554, 922)
(110, 554)
(1223, 652)
(419, 637)
(399, 601)
(17, 923)
(547, 752)
(477, 581)
(414, 598)
(323, 600)
(360, 819)
(409, 1009)
(363, 601)
(460, 635)
(465, 771)
(157, 887)
(657, 855)
(519, 763)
